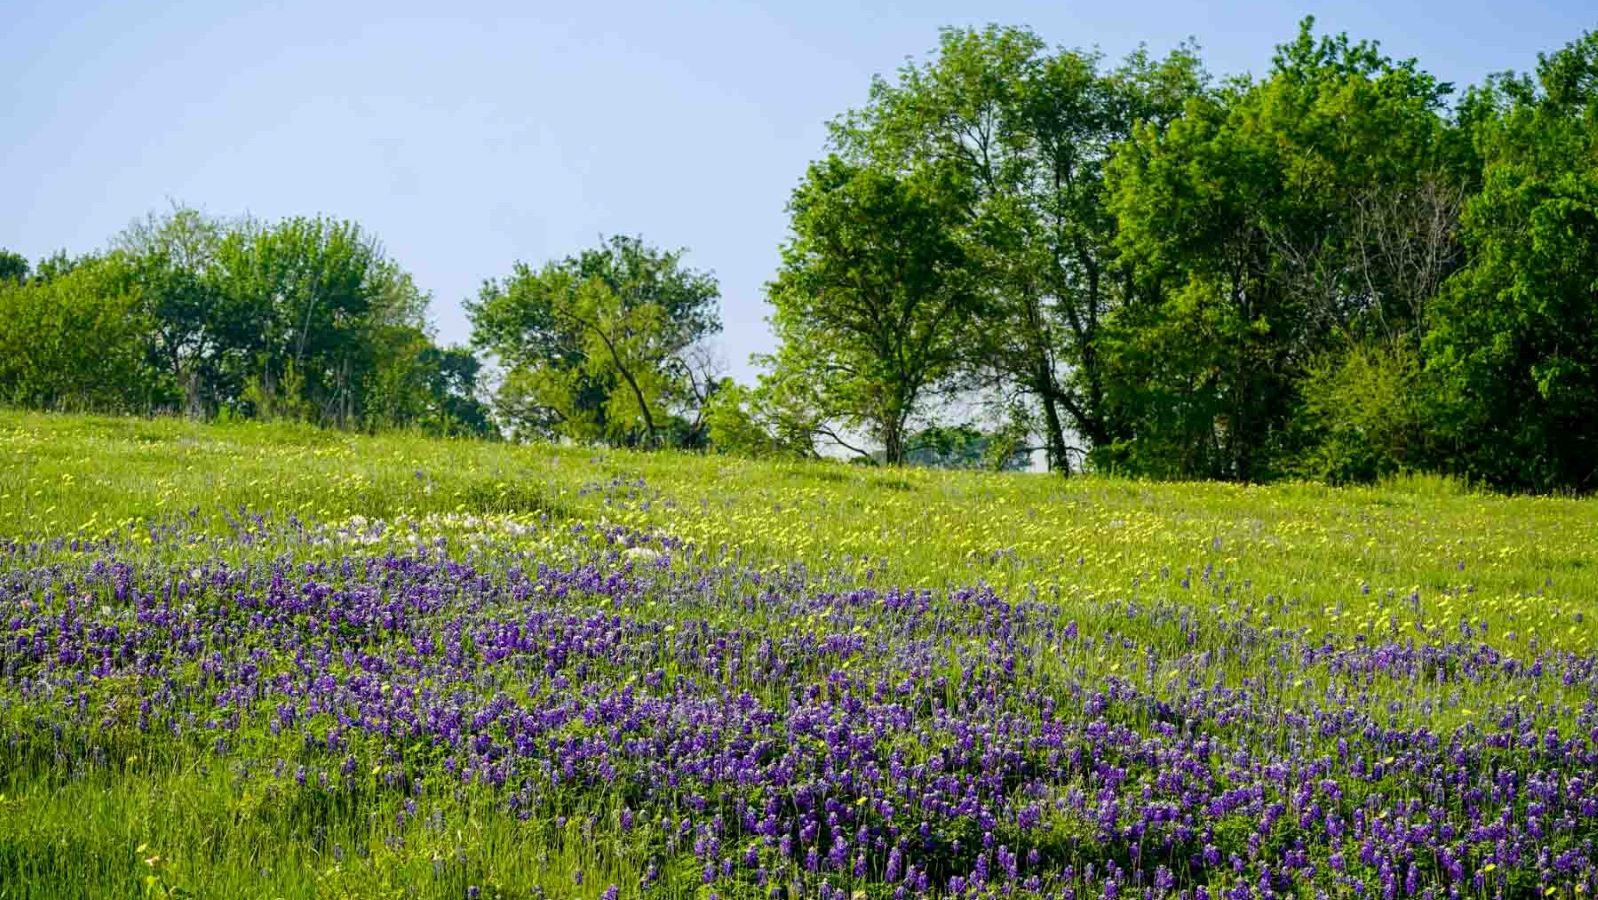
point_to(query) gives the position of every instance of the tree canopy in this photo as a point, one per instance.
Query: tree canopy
(873, 298)
(1251, 220)
(1513, 346)
(1335, 270)
(1340, 269)
(1027, 131)
(607, 345)
(303, 319)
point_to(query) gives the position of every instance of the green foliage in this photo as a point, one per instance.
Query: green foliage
(605, 346)
(1029, 130)
(1514, 338)
(313, 295)
(174, 261)
(1256, 220)
(13, 267)
(1365, 410)
(305, 319)
(741, 421)
(417, 384)
(873, 298)
(966, 447)
(76, 341)
(777, 418)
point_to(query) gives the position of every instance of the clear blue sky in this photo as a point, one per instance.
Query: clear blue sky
(468, 135)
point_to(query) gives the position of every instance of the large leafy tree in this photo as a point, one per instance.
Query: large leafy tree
(1246, 218)
(310, 297)
(1029, 129)
(1514, 342)
(173, 258)
(602, 346)
(873, 299)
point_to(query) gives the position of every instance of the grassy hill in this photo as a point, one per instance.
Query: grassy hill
(262, 660)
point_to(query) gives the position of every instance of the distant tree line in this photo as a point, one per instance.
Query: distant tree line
(305, 319)
(1341, 270)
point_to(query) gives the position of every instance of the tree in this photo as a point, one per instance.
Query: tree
(1030, 130)
(873, 298)
(1365, 414)
(966, 447)
(739, 424)
(308, 299)
(1513, 346)
(306, 318)
(13, 267)
(173, 258)
(602, 346)
(1244, 219)
(57, 265)
(417, 384)
(775, 418)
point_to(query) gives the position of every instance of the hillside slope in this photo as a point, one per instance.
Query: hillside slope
(256, 660)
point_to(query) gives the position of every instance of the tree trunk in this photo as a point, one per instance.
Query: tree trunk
(1054, 438)
(193, 401)
(893, 444)
(627, 376)
(1053, 428)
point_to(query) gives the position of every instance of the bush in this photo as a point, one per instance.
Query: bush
(1363, 414)
(77, 343)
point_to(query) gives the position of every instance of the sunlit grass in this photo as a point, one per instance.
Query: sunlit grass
(1174, 593)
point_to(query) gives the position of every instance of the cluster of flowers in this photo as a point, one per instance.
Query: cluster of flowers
(790, 736)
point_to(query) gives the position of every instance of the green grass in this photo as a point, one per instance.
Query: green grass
(1527, 562)
(1416, 559)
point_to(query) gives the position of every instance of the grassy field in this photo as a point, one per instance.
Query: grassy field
(267, 661)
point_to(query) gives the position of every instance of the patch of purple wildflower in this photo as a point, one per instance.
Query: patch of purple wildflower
(781, 735)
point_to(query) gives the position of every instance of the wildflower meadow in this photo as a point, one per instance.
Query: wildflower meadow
(256, 660)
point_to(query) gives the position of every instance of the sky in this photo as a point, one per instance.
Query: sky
(470, 135)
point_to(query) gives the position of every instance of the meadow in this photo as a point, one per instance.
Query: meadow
(258, 660)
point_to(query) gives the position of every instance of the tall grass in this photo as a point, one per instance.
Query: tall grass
(1167, 591)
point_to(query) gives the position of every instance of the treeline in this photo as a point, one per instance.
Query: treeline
(1340, 270)
(305, 319)
(1336, 271)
